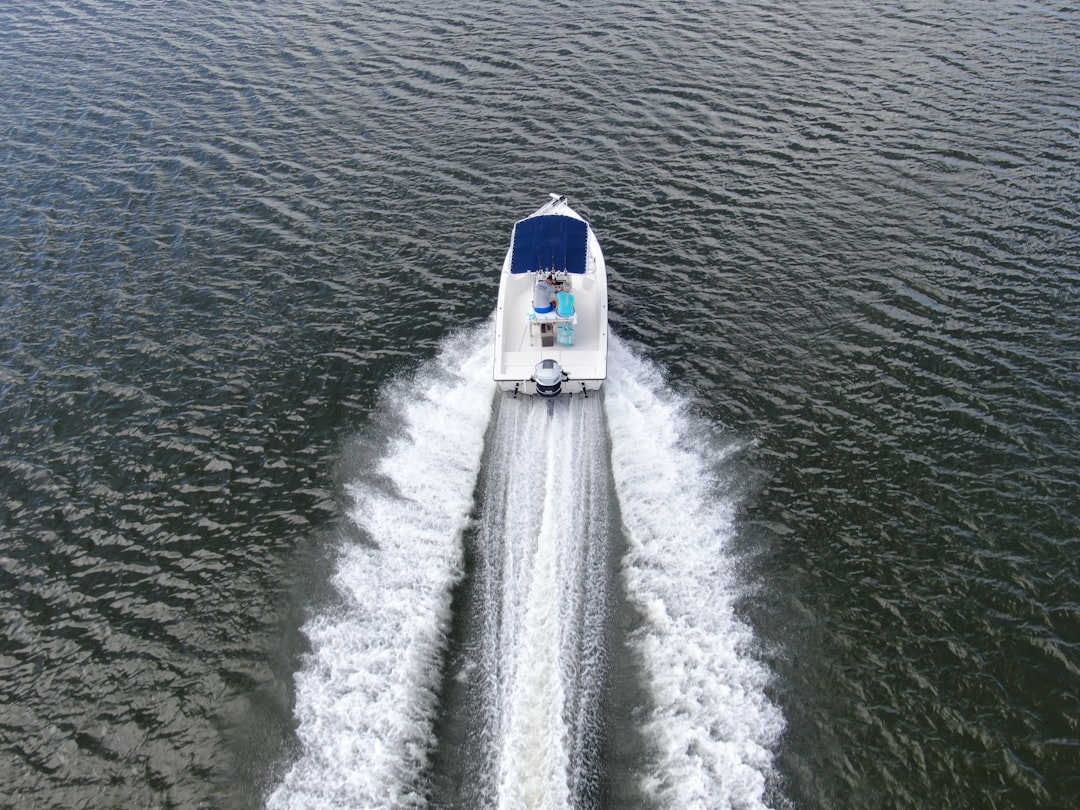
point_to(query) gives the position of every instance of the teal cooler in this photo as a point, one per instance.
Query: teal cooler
(565, 305)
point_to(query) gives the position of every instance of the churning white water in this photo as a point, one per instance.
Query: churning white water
(365, 697)
(711, 723)
(543, 552)
(543, 585)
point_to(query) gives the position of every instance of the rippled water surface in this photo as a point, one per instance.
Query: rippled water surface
(846, 236)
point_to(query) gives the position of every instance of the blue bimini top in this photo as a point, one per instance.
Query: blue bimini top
(550, 243)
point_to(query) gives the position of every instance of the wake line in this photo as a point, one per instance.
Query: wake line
(711, 723)
(365, 698)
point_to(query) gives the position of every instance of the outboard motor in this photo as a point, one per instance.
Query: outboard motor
(548, 377)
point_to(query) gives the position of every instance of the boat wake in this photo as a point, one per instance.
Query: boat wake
(540, 597)
(710, 723)
(528, 580)
(366, 695)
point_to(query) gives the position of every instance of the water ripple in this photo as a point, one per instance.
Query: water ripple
(848, 231)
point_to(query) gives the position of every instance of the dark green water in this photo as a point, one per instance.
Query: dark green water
(848, 234)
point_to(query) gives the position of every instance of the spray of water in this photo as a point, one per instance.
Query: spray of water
(543, 587)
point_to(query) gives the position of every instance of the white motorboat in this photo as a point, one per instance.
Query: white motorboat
(551, 324)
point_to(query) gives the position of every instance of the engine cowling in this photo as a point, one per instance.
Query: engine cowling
(549, 378)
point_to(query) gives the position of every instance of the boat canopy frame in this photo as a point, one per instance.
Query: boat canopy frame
(551, 242)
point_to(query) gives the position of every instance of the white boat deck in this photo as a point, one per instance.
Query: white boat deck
(523, 342)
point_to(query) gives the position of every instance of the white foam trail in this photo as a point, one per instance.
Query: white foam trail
(535, 756)
(541, 567)
(365, 697)
(711, 722)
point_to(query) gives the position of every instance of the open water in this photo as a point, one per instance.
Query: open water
(268, 537)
